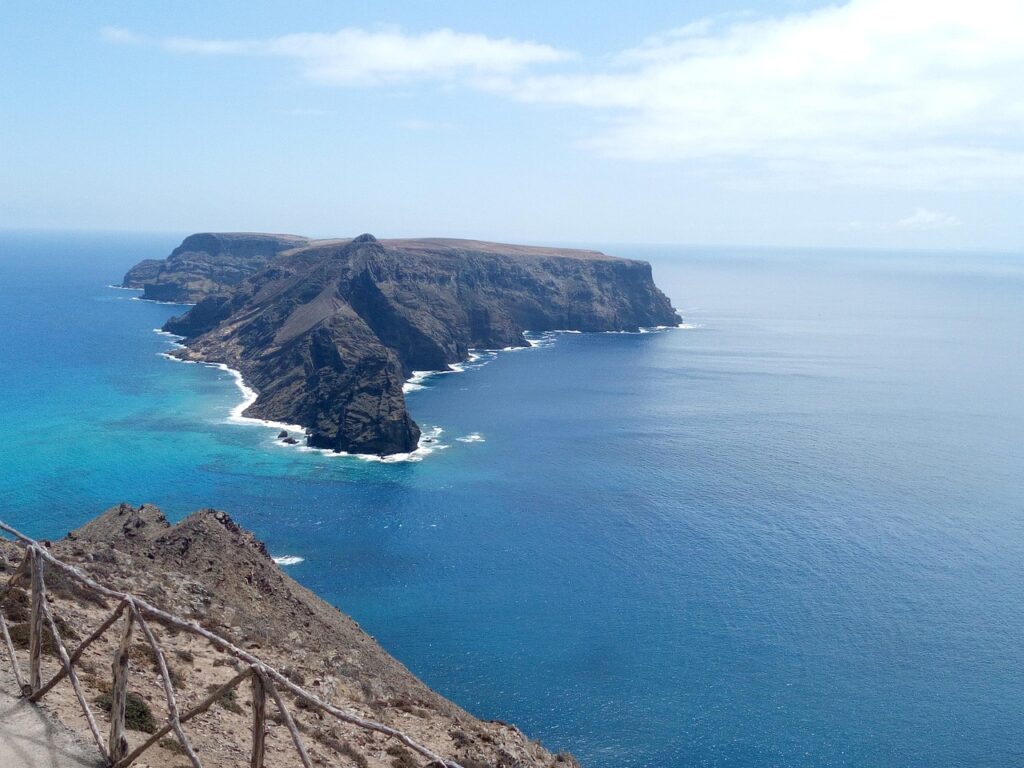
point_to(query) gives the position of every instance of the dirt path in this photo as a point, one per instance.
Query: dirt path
(30, 738)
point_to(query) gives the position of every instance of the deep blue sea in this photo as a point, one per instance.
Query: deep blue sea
(791, 535)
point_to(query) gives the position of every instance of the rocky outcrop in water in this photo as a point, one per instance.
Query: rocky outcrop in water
(328, 332)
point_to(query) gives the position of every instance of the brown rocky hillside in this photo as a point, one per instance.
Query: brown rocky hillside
(208, 569)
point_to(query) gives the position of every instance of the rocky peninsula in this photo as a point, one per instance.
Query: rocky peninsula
(327, 331)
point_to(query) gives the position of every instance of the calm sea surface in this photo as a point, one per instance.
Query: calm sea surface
(792, 535)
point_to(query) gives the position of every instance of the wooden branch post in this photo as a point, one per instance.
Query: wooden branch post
(259, 720)
(165, 677)
(118, 742)
(15, 667)
(293, 729)
(76, 686)
(35, 642)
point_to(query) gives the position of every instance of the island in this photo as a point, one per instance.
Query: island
(327, 331)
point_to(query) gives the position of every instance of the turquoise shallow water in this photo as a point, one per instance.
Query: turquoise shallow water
(790, 536)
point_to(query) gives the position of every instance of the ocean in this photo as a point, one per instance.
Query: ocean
(790, 533)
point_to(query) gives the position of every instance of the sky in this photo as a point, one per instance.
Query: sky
(864, 123)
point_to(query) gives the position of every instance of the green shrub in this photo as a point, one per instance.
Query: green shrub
(228, 700)
(137, 714)
(402, 757)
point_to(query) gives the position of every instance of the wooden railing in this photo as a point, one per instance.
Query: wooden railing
(265, 681)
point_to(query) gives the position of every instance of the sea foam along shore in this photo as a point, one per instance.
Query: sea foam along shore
(157, 301)
(415, 382)
(150, 301)
(429, 439)
(659, 328)
(480, 357)
(429, 443)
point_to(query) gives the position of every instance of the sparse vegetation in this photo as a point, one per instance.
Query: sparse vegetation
(172, 745)
(402, 757)
(329, 738)
(143, 653)
(20, 637)
(409, 706)
(61, 586)
(228, 700)
(354, 755)
(460, 738)
(137, 714)
(15, 605)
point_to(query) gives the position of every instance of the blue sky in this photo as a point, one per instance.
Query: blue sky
(894, 123)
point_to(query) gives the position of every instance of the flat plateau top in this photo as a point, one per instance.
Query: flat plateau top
(443, 245)
(483, 246)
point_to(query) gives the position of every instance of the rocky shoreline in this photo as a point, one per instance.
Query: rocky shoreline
(328, 331)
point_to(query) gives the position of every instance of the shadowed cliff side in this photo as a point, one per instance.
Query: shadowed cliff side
(205, 264)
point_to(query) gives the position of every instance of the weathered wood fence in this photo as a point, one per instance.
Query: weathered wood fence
(265, 681)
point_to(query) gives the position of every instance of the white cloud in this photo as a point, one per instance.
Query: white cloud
(918, 92)
(357, 57)
(307, 112)
(417, 124)
(122, 36)
(215, 47)
(922, 94)
(923, 219)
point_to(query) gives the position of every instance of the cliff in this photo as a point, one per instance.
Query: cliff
(207, 264)
(328, 332)
(208, 569)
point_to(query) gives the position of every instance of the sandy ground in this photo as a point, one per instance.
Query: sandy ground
(30, 737)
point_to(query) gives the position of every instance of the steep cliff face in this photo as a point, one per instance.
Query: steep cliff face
(328, 333)
(207, 264)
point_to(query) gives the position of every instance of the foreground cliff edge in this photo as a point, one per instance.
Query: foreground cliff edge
(328, 331)
(207, 569)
